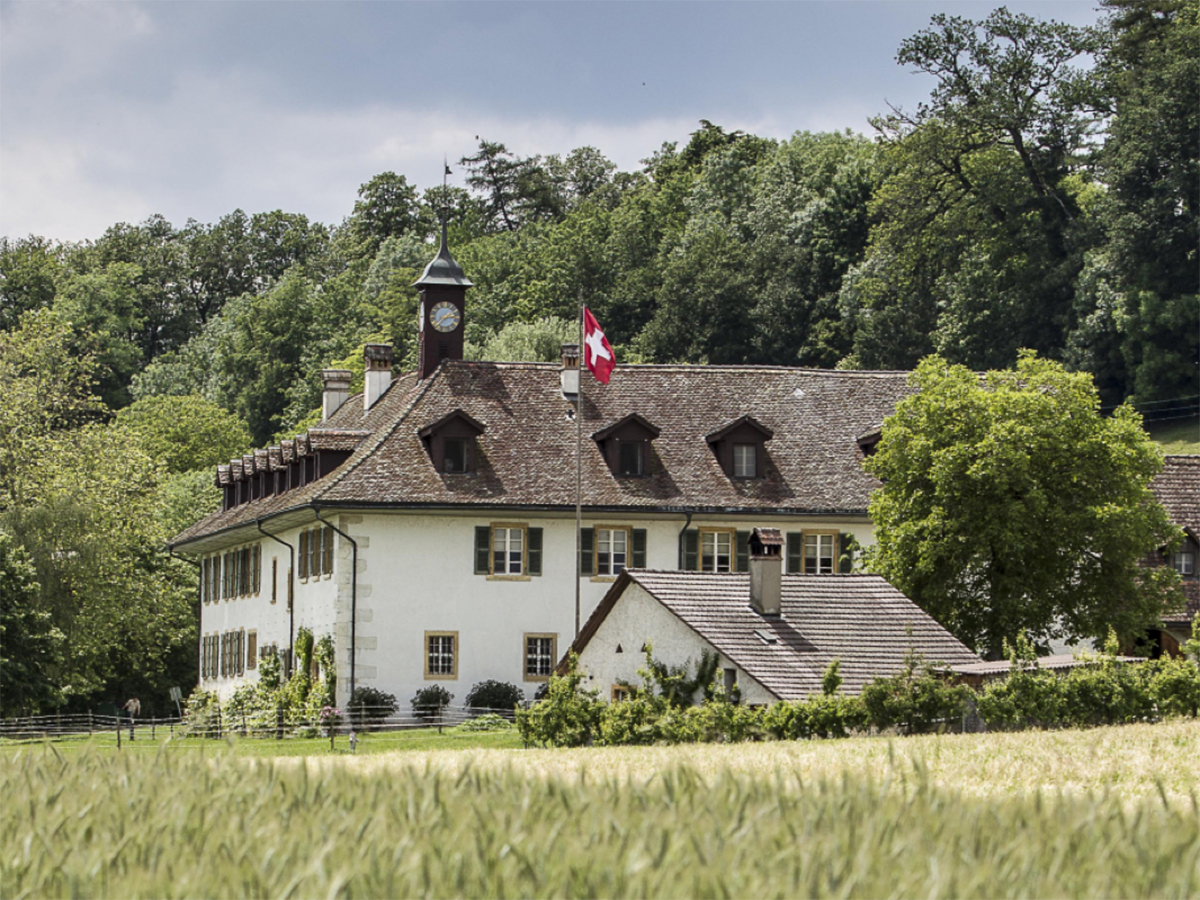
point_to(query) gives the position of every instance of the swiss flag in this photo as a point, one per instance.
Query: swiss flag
(597, 351)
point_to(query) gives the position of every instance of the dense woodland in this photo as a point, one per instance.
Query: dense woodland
(1044, 196)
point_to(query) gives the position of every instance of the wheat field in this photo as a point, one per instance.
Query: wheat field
(1099, 813)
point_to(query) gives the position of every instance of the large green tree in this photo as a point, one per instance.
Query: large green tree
(1010, 504)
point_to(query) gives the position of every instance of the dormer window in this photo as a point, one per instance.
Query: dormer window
(740, 447)
(631, 458)
(451, 443)
(744, 458)
(626, 445)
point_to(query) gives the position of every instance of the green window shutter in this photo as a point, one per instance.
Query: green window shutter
(639, 548)
(689, 550)
(535, 551)
(795, 552)
(304, 553)
(743, 552)
(483, 549)
(587, 551)
(845, 553)
(328, 567)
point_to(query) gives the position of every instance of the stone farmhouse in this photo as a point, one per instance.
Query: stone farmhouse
(428, 524)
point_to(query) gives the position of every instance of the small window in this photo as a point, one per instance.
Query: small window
(620, 693)
(716, 551)
(541, 653)
(454, 455)
(744, 461)
(508, 551)
(1185, 563)
(632, 458)
(730, 680)
(612, 550)
(820, 552)
(441, 656)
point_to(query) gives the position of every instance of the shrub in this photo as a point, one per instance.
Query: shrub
(1175, 687)
(633, 721)
(917, 700)
(370, 706)
(496, 695)
(567, 717)
(1028, 698)
(429, 701)
(487, 722)
(202, 717)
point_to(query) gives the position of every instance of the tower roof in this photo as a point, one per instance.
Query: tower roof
(443, 269)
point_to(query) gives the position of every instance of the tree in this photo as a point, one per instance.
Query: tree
(1008, 503)
(30, 644)
(29, 268)
(184, 433)
(387, 207)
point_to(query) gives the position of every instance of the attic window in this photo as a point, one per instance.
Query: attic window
(451, 442)
(626, 445)
(740, 447)
(765, 636)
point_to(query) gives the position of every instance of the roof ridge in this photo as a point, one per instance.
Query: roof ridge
(687, 367)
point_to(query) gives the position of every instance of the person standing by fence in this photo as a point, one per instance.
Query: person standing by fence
(132, 709)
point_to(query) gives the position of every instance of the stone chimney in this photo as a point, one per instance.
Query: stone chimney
(570, 370)
(337, 390)
(766, 571)
(378, 372)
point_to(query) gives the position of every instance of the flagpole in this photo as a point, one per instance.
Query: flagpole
(579, 466)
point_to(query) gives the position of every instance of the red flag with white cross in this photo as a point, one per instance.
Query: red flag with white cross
(597, 351)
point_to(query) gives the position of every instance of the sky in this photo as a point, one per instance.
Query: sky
(112, 112)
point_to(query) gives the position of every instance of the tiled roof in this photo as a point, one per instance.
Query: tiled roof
(1183, 618)
(1058, 661)
(526, 455)
(1177, 488)
(860, 619)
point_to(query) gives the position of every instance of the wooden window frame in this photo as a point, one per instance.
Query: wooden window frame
(542, 636)
(596, 529)
(619, 693)
(819, 533)
(732, 532)
(1184, 562)
(441, 676)
(508, 526)
(743, 446)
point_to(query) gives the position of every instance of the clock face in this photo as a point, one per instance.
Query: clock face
(444, 316)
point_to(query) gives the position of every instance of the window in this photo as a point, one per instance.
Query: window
(743, 461)
(454, 458)
(541, 653)
(730, 680)
(820, 552)
(612, 550)
(621, 692)
(508, 551)
(441, 654)
(1185, 563)
(716, 551)
(632, 458)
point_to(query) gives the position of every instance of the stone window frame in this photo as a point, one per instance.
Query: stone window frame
(552, 659)
(428, 653)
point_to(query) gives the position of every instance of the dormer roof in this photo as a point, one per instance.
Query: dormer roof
(457, 415)
(730, 427)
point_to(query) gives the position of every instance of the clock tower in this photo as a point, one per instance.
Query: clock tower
(442, 288)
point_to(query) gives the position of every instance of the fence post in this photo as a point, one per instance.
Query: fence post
(153, 722)
(89, 722)
(118, 735)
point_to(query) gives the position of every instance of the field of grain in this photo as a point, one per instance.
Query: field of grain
(1106, 812)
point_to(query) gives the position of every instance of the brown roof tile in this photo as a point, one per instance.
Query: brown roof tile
(1177, 488)
(526, 455)
(860, 619)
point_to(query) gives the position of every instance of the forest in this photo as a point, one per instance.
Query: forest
(1044, 196)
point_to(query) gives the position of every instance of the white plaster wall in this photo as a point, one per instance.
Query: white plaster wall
(416, 574)
(637, 619)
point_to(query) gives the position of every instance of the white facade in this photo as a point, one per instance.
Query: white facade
(416, 577)
(614, 654)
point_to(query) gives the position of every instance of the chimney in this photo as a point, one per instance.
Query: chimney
(378, 376)
(570, 370)
(337, 390)
(766, 571)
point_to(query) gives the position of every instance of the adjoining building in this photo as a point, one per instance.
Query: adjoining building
(428, 524)
(774, 635)
(1177, 488)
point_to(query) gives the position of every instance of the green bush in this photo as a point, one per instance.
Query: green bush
(1028, 698)
(429, 701)
(825, 715)
(497, 695)
(370, 706)
(917, 700)
(568, 716)
(1175, 687)
(202, 716)
(634, 721)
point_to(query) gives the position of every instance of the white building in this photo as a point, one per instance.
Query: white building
(428, 525)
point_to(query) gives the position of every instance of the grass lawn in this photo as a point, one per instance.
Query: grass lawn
(1176, 437)
(1096, 813)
